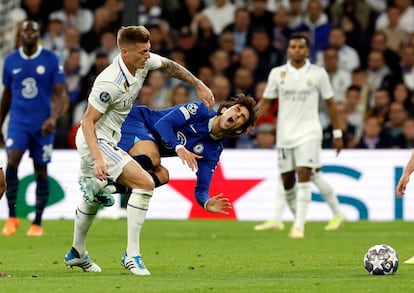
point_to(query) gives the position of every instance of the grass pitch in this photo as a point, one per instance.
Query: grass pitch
(209, 256)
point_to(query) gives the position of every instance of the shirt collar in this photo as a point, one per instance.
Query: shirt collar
(128, 76)
(24, 56)
(305, 67)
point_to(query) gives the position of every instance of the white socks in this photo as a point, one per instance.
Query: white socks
(327, 193)
(84, 216)
(304, 196)
(136, 211)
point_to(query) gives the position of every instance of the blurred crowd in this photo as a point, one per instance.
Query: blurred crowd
(366, 46)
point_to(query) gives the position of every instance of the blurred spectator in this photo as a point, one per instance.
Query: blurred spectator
(360, 79)
(269, 56)
(353, 110)
(38, 10)
(406, 20)
(260, 16)
(265, 136)
(396, 117)
(207, 40)
(381, 107)
(317, 24)
(348, 56)
(186, 42)
(115, 8)
(250, 60)
(161, 42)
(394, 34)
(145, 96)
(241, 28)
(295, 13)
(243, 82)
(280, 30)
(353, 9)
(54, 36)
(402, 94)
(392, 59)
(379, 74)
(373, 137)
(91, 39)
(73, 14)
(206, 75)
(160, 89)
(149, 12)
(221, 89)
(407, 66)
(348, 130)
(185, 14)
(179, 94)
(220, 63)
(340, 81)
(227, 42)
(406, 139)
(220, 13)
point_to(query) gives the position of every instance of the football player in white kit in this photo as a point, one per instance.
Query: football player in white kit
(110, 100)
(298, 85)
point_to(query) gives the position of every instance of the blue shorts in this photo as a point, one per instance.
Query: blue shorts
(40, 147)
(135, 129)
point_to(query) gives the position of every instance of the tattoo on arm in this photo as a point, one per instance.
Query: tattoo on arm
(174, 69)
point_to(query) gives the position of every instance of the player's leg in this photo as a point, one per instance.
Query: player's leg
(306, 156)
(14, 157)
(329, 195)
(142, 185)
(280, 204)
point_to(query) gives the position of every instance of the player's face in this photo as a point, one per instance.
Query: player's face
(29, 33)
(233, 118)
(297, 50)
(137, 55)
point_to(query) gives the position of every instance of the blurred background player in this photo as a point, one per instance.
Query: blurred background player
(33, 96)
(298, 85)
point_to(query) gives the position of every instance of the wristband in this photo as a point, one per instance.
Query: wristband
(337, 133)
(179, 146)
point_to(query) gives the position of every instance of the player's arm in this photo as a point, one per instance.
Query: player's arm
(215, 204)
(57, 104)
(337, 142)
(405, 177)
(263, 106)
(173, 69)
(89, 120)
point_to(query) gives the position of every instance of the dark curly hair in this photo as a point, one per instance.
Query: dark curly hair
(243, 100)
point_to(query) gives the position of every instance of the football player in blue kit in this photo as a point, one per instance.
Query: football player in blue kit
(191, 132)
(33, 97)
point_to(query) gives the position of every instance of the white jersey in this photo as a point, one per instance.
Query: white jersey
(298, 91)
(113, 93)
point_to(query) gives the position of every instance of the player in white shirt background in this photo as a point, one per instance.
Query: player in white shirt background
(114, 91)
(299, 85)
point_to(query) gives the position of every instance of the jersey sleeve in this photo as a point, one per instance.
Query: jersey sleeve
(102, 94)
(7, 79)
(154, 62)
(270, 91)
(204, 175)
(59, 76)
(181, 115)
(325, 86)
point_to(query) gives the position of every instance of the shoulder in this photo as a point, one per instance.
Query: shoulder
(192, 109)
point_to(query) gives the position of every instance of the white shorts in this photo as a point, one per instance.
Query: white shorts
(114, 156)
(305, 155)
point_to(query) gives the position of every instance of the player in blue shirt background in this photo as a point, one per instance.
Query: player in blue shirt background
(191, 132)
(33, 97)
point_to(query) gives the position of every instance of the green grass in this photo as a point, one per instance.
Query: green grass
(209, 256)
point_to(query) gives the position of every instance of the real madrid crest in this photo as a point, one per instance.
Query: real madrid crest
(309, 82)
(283, 74)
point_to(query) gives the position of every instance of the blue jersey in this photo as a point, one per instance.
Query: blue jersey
(31, 81)
(188, 125)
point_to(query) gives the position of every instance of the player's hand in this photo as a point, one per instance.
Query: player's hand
(219, 205)
(48, 126)
(402, 184)
(338, 144)
(188, 157)
(206, 95)
(101, 169)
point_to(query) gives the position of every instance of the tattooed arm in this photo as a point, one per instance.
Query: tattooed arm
(173, 69)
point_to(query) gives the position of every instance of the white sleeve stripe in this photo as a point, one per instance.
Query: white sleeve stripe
(185, 112)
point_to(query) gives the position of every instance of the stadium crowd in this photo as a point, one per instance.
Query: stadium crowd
(366, 46)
